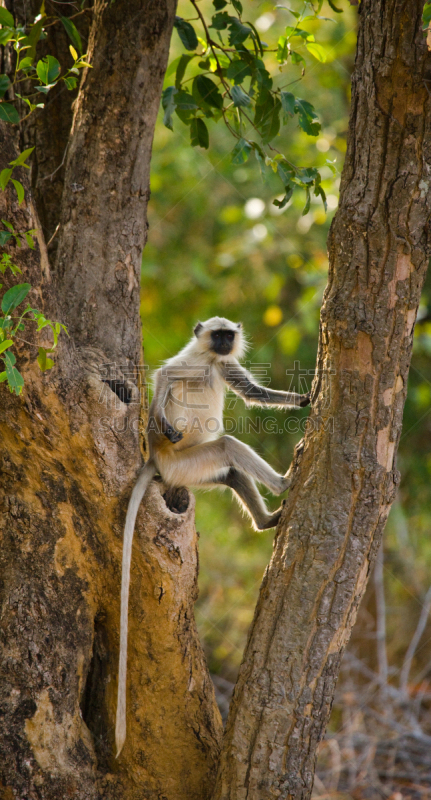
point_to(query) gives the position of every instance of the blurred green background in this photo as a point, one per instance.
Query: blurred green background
(217, 245)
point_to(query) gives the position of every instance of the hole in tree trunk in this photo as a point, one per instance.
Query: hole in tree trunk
(120, 389)
(177, 500)
(93, 701)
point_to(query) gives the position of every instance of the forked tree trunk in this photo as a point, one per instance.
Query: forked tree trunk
(70, 450)
(379, 247)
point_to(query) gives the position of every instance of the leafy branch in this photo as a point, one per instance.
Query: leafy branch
(38, 77)
(11, 325)
(234, 84)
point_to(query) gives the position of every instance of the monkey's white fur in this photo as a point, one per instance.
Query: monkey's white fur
(186, 448)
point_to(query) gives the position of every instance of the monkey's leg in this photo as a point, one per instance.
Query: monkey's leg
(245, 489)
(246, 460)
(203, 462)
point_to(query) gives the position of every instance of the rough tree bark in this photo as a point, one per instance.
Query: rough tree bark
(379, 248)
(70, 450)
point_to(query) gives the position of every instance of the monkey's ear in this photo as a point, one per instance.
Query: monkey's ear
(197, 328)
(239, 325)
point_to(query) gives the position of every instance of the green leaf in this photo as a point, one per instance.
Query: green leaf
(14, 378)
(208, 91)
(426, 16)
(256, 39)
(185, 101)
(187, 34)
(218, 4)
(297, 32)
(6, 34)
(317, 51)
(169, 105)
(307, 175)
(70, 82)
(237, 71)
(7, 263)
(239, 97)
(267, 117)
(72, 33)
(19, 190)
(8, 113)
(45, 89)
(297, 58)
(33, 37)
(264, 105)
(181, 69)
(29, 239)
(30, 105)
(238, 32)
(172, 67)
(5, 177)
(306, 208)
(282, 50)
(3, 377)
(241, 152)
(6, 18)
(199, 133)
(221, 21)
(48, 70)
(270, 126)
(26, 63)
(237, 6)
(186, 106)
(260, 157)
(4, 237)
(22, 158)
(14, 296)
(9, 225)
(308, 120)
(4, 345)
(288, 105)
(286, 173)
(40, 318)
(263, 78)
(4, 84)
(334, 8)
(44, 362)
(285, 200)
(319, 192)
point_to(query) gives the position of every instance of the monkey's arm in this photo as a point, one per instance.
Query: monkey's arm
(244, 385)
(159, 403)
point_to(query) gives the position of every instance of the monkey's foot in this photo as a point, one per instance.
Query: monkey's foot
(272, 522)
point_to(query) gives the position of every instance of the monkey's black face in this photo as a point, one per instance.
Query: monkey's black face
(222, 342)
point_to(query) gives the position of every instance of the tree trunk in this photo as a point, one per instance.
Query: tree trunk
(331, 528)
(70, 451)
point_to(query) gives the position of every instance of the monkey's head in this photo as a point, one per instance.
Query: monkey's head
(221, 337)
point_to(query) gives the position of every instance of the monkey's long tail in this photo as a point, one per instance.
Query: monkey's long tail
(141, 486)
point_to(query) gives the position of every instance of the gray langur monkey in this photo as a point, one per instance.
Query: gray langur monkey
(186, 449)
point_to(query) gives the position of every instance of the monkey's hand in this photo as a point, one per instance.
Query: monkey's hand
(170, 433)
(305, 400)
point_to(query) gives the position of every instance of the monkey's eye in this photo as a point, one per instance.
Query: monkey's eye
(229, 336)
